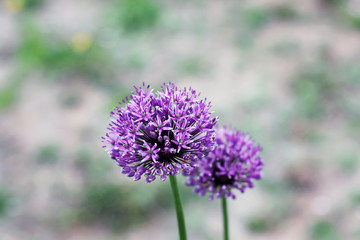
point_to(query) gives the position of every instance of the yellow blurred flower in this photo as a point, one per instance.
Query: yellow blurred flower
(13, 6)
(81, 42)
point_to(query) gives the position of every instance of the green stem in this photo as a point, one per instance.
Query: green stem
(225, 218)
(178, 206)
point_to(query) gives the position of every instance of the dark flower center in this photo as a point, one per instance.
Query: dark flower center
(167, 153)
(221, 179)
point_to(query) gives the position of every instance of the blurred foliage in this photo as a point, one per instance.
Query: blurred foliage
(48, 153)
(348, 74)
(33, 4)
(355, 21)
(352, 14)
(332, 5)
(301, 177)
(350, 71)
(191, 65)
(70, 99)
(313, 86)
(15, 6)
(112, 205)
(284, 12)
(324, 230)
(83, 158)
(259, 224)
(52, 55)
(266, 220)
(305, 130)
(332, 2)
(93, 169)
(9, 94)
(357, 234)
(136, 15)
(6, 201)
(296, 177)
(286, 47)
(135, 61)
(307, 95)
(348, 163)
(355, 197)
(347, 11)
(273, 186)
(255, 17)
(122, 206)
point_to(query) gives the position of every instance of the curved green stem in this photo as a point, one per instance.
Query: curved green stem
(225, 218)
(178, 206)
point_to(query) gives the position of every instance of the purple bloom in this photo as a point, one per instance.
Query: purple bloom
(160, 134)
(234, 164)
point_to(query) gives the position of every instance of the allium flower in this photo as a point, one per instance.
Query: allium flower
(234, 164)
(160, 134)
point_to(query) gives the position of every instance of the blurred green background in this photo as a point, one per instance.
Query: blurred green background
(288, 72)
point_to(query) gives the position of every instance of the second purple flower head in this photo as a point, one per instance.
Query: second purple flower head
(234, 164)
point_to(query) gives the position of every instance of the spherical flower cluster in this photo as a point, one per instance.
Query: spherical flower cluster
(234, 164)
(160, 134)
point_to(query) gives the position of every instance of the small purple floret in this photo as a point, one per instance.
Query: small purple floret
(160, 134)
(234, 164)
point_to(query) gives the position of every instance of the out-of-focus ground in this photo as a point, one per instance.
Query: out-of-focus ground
(288, 72)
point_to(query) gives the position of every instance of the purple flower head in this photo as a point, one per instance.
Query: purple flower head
(234, 164)
(160, 134)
